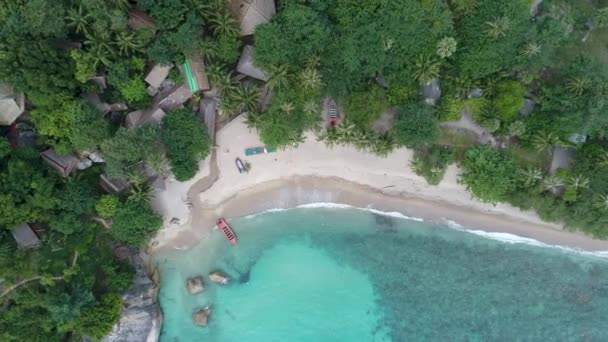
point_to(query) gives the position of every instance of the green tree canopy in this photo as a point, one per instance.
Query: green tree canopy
(416, 125)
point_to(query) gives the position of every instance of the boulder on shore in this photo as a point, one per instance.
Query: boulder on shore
(201, 316)
(195, 285)
(219, 277)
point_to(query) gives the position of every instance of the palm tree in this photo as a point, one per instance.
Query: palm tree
(531, 49)
(127, 42)
(158, 163)
(464, 7)
(279, 77)
(78, 19)
(577, 182)
(253, 120)
(603, 159)
(224, 24)
(140, 193)
(544, 141)
(311, 107)
(311, 79)
(426, 69)
(287, 107)
(222, 80)
(601, 202)
(208, 49)
(247, 96)
(297, 138)
(498, 28)
(417, 165)
(577, 85)
(100, 55)
(312, 62)
(229, 106)
(382, 145)
(553, 184)
(100, 40)
(119, 4)
(446, 47)
(531, 176)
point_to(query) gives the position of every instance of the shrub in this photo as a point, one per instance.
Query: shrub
(362, 108)
(517, 128)
(416, 126)
(134, 223)
(98, 321)
(476, 107)
(187, 142)
(509, 100)
(451, 109)
(106, 206)
(431, 163)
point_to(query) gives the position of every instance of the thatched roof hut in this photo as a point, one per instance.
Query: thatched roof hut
(157, 75)
(208, 108)
(25, 237)
(139, 20)
(251, 13)
(113, 186)
(246, 66)
(139, 118)
(175, 98)
(11, 105)
(63, 164)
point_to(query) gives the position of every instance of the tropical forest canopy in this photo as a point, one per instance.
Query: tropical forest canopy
(488, 59)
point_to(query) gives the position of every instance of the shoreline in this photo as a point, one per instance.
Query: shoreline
(299, 191)
(313, 173)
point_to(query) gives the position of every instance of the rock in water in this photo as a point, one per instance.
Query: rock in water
(219, 277)
(195, 285)
(201, 316)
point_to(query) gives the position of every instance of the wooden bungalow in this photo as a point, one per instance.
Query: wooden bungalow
(139, 118)
(63, 164)
(113, 186)
(251, 13)
(157, 75)
(140, 20)
(246, 66)
(174, 98)
(11, 105)
(25, 237)
(208, 108)
(195, 74)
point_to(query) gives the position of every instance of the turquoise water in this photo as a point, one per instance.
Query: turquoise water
(328, 274)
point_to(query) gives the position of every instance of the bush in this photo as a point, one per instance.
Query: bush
(106, 206)
(451, 109)
(490, 175)
(363, 108)
(431, 163)
(187, 142)
(517, 128)
(98, 321)
(476, 107)
(509, 100)
(416, 126)
(399, 94)
(134, 223)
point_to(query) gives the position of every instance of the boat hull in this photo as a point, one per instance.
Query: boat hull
(223, 226)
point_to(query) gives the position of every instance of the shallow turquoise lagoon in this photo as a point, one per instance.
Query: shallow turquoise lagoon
(334, 274)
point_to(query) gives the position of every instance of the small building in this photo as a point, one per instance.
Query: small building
(175, 98)
(11, 105)
(96, 102)
(528, 107)
(113, 186)
(578, 138)
(246, 66)
(195, 74)
(63, 164)
(157, 75)
(431, 92)
(562, 158)
(25, 237)
(208, 108)
(140, 20)
(251, 13)
(139, 118)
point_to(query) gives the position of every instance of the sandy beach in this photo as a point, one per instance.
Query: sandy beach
(313, 173)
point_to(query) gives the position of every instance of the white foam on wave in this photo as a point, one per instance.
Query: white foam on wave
(514, 239)
(325, 205)
(393, 214)
(273, 210)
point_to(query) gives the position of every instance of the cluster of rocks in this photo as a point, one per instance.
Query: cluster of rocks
(196, 285)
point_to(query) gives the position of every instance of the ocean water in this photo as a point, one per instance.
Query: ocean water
(343, 274)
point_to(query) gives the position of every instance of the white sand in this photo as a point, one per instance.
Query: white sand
(314, 173)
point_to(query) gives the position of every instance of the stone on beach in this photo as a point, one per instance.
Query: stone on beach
(219, 277)
(201, 316)
(195, 285)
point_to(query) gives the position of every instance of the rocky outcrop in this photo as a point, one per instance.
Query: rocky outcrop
(195, 285)
(141, 318)
(219, 277)
(201, 316)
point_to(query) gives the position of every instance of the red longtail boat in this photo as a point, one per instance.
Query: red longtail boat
(226, 230)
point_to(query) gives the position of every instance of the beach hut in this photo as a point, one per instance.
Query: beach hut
(562, 158)
(175, 98)
(63, 164)
(113, 186)
(251, 13)
(157, 75)
(195, 74)
(25, 237)
(139, 20)
(431, 92)
(246, 66)
(96, 102)
(139, 118)
(11, 105)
